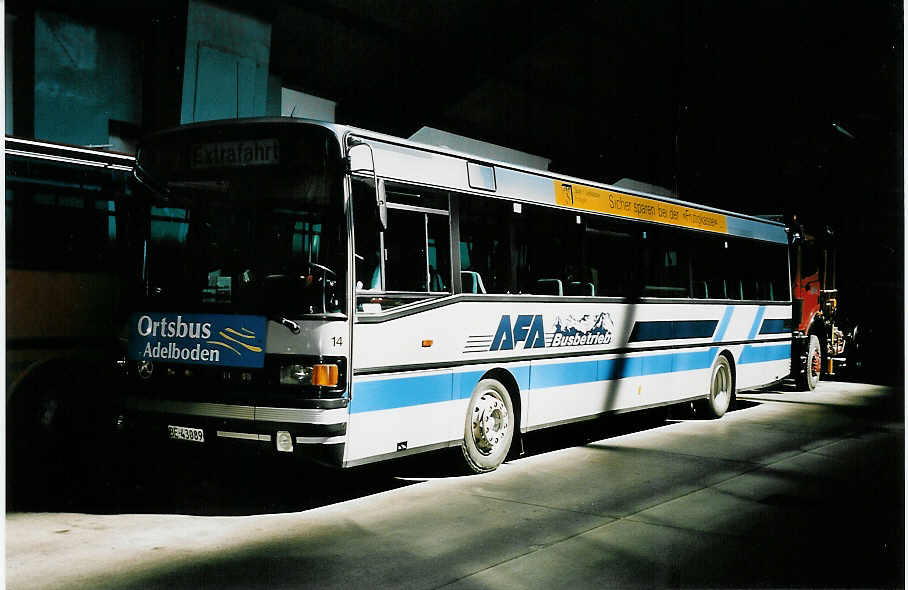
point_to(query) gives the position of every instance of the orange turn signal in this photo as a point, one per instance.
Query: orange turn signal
(324, 375)
(426, 343)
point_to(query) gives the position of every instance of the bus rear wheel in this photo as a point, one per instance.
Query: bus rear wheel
(721, 390)
(489, 426)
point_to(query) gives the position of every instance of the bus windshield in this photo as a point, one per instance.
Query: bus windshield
(260, 238)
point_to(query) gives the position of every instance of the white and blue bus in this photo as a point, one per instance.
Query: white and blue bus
(350, 297)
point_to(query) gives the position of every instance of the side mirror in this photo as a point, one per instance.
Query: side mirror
(360, 158)
(381, 204)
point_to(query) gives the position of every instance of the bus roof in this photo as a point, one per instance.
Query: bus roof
(403, 160)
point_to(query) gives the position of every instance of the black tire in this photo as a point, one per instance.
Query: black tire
(38, 446)
(37, 420)
(721, 391)
(51, 418)
(810, 376)
(489, 426)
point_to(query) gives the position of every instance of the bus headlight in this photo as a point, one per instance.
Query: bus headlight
(323, 375)
(296, 374)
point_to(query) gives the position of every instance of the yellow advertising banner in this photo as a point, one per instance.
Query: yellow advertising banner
(600, 200)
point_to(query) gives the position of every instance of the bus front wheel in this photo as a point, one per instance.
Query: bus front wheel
(489, 426)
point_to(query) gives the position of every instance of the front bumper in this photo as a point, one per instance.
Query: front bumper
(318, 433)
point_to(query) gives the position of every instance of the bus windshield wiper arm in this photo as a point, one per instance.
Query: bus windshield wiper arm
(289, 324)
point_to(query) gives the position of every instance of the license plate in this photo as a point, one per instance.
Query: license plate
(186, 433)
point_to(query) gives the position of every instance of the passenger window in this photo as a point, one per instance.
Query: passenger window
(666, 266)
(366, 236)
(417, 251)
(779, 285)
(439, 253)
(549, 251)
(508, 247)
(740, 270)
(734, 263)
(484, 245)
(415, 244)
(709, 266)
(762, 263)
(610, 253)
(405, 248)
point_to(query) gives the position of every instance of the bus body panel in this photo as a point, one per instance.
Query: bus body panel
(316, 337)
(396, 410)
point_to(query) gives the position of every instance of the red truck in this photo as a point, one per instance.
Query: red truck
(819, 344)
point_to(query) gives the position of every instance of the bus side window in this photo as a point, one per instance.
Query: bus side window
(405, 248)
(484, 244)
(78, 229)
(765, 260)
(417, 241)
(366, 234)
(549, 247)
(610, 252)
(780, 281)
(666, 266)
(708, 266)
(438, 238)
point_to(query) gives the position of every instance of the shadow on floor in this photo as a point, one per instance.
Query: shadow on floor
(93, 477)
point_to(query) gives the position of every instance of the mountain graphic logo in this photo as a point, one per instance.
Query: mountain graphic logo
(586, 329)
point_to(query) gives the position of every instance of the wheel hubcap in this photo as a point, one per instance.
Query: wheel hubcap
(815, 364)
(722, 386)
(490, 422)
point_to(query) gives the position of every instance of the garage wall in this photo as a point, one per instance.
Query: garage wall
(226, 70)
(85, 76)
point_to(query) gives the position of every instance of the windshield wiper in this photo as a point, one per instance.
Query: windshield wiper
(289, 324)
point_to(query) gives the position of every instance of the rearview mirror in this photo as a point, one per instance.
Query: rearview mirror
(360, 158)
(382, 204)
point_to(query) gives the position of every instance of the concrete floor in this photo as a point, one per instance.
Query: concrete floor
(789, 490)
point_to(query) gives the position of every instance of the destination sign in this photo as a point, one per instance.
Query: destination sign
(227, 154)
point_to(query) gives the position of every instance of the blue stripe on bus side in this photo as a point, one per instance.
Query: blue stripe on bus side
(405, 391)
(762, 354)
(564, 374)
(399, 392)
(758, 319)
(465, 382)
(723, 325)
(702, 359)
